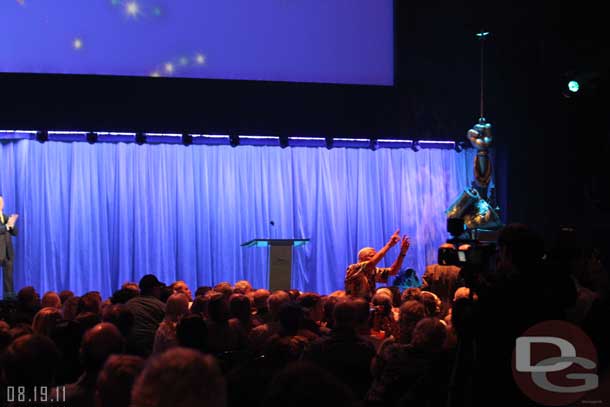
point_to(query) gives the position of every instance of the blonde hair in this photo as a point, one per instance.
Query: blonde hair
(45, 321)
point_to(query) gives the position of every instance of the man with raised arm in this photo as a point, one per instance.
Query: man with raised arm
(361, 277)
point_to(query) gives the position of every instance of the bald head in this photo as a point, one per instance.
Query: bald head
(99, 343)
(366, 254)
(177, 305)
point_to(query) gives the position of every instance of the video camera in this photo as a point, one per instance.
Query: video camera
(476, 250)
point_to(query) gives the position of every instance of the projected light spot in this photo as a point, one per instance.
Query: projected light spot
(115, 2)
(156, 11)
(132, 8)
(77, 44)
(200, 59)
(21, 2)
(169, 67)
(184, 61)
(155, 74)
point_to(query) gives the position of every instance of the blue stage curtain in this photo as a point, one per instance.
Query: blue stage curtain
(95, 216)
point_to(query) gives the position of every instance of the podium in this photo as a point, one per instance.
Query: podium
(280, 259)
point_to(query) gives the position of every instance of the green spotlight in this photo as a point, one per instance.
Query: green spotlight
(573, 86)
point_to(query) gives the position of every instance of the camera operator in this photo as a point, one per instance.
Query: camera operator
(522, 290)
(442, 278)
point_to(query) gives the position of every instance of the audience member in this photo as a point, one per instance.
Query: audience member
(181, 287)
(45, 321)
(148, 312)
(90, 302)
(98, 344)
(202, 290)
(363, 322)
(383, 323)
(115, 380)
(443, 278)
(260, 335)
(313, 308)
(30, 362)
(87, 320)
(225, 289)
(344, 353)
(411, 293)
(123, 295)
(432, 304)
(291, 317)
(176, 307)
(180, 377)
(200, 305)
(304, 384)
(224, 332)
(5, 336)
(294, 294)
(28, 304)
(192, 332)
(242, 287)
(50, 299)
(131, 285)
(262, 315)
(164, 293)
(69, 308)
(328, 306)
(64, 295)
(120, 316)
(414, 374)
(240, 308)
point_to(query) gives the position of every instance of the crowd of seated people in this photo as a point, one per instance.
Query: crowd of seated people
(233, 345)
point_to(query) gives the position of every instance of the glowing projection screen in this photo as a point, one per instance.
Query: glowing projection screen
(326, 41)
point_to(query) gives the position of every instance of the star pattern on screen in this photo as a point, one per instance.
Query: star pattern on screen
(174, 66)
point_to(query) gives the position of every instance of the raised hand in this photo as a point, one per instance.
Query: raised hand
(395, 238)
(405, 244)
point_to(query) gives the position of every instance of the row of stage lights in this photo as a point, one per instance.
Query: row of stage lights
(233, 140)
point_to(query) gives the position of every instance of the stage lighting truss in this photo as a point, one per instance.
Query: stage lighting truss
(233, 140)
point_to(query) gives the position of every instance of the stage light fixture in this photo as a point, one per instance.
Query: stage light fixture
(373, 144)
(91, 137)
(187, 139)
(233, 140)
(283, 141)
(579, 84)
(459, 146)
(415, 146)
(140, 138)
(573, 86)
(329, 142)
(42, 136)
